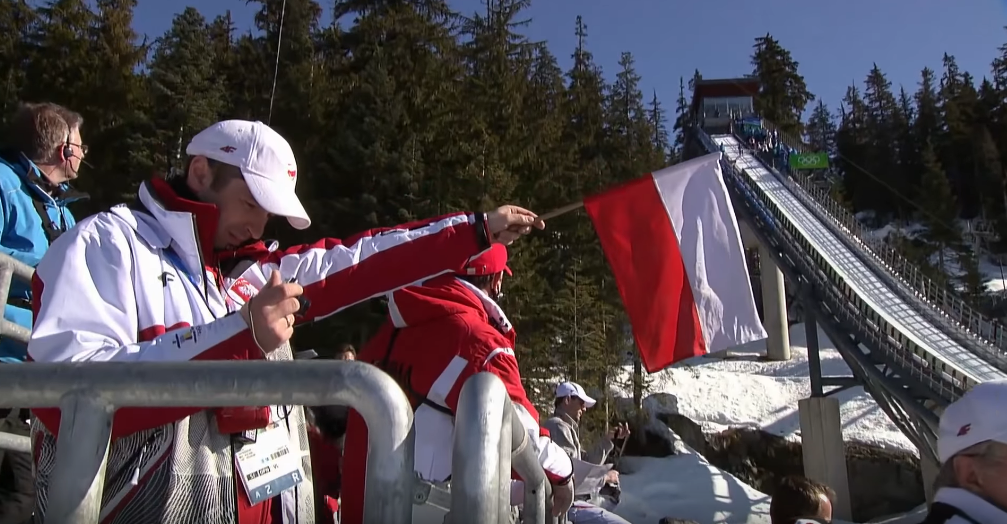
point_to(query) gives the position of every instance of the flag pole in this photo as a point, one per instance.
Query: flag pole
(562, 210)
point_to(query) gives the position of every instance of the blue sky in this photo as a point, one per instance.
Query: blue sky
(836, 43)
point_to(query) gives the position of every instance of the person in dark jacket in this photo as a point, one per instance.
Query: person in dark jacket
(43, 154)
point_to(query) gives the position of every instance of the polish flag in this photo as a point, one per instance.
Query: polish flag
(673, 243)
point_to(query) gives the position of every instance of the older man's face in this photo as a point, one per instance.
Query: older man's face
(984, 474)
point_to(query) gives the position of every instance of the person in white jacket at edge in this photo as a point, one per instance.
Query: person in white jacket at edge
(181, 274)
(564, 429)
(972, 443)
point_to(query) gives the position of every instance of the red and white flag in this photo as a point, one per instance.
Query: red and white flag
(675, 249)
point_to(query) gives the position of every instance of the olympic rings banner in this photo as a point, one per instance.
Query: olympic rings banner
(818, 160)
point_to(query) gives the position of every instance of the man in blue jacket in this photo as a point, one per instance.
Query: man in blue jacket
(42, 155)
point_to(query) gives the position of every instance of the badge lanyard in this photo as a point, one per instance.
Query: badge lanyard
(176, 262)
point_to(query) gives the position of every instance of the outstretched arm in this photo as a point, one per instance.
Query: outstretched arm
(337, 274)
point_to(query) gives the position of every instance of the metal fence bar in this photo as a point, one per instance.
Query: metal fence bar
(480, 493)
(537, 490)
(482, 444)
(16, 443)
(78, 477)
(11, 269)
(84, 390)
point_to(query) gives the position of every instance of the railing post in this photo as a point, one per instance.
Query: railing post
(78, 477)
(537, 507)
(9, 269)
(505, 447)
(478, 450)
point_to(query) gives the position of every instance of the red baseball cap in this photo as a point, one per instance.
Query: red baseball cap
(489, 263)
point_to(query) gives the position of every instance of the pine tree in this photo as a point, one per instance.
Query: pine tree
(658, 124)
(498, 60)
(938, 201)
(187, 92)
(993, 182)
(859, 189)
(58, 47)
(821, 130)
(883, 127)
(16, 20)
(682, 120)
(784, 94)
(972, 277)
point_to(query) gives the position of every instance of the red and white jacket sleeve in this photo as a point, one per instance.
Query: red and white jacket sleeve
(556, 463)
(337, 274)
(85, 307)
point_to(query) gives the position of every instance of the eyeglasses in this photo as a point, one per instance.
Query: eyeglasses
(83, 147)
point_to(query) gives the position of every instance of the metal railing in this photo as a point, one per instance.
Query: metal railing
(988, 335)
(489, 441)
(11, 269)
(489, 438)
(88, 394)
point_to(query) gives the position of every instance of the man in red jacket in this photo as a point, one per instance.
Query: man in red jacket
(438, 335)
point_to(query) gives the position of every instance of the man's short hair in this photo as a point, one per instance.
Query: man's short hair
(38, 129)
(347, 348)
(796, 497)
(223, 173)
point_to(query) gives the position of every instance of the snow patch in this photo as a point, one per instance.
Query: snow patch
(742, 389)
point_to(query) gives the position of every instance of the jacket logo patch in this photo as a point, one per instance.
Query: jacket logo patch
(189, 335)
(244, 289)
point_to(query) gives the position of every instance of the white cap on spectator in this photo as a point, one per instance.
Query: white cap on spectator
(975, 418)
(573, 389)
(266, 162)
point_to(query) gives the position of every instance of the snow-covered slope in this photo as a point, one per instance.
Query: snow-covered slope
(739, 388)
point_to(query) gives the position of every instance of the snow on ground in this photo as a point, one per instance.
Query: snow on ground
(688, 488)
(742, 389)
(739, 388)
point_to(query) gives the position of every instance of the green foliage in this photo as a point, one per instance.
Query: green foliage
(784, 95)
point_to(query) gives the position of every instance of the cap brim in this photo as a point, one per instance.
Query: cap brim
(508, 271)
(278, 198)
(588, 401)
(950, 447)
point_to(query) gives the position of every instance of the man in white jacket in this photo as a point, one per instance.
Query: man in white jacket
(972, 444)
(181, 274)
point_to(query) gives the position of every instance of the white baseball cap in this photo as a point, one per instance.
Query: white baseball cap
(573, 389)
(265, 159)
(975, 418)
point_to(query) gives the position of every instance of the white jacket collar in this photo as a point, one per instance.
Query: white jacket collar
(972, 504)
(162, 228)
(493, 310)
